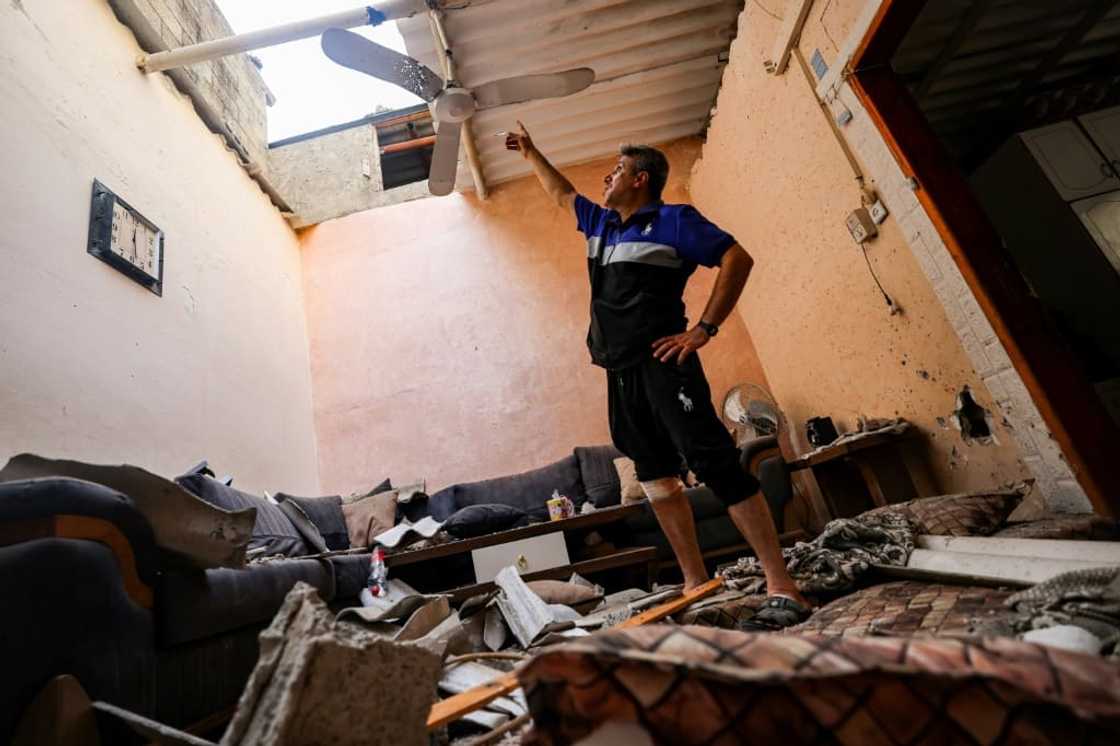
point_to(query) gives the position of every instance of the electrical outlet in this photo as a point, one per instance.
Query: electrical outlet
(878, 212)
(861, 226)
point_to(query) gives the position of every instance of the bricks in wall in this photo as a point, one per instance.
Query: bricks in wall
(232, 85)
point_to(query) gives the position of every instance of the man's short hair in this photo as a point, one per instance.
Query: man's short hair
(653, 162)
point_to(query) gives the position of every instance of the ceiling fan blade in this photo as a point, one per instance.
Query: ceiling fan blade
(445, 159)
(525, 87)
(359, 53)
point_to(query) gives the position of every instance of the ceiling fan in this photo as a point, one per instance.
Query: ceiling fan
(452, 104)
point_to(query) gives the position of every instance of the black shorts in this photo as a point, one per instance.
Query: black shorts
(660, 412)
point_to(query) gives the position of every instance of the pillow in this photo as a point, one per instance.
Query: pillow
(369, 516)
(325, 513)
(630, 489)
(303, 524)
(384, 486)
(908, 609)
(563, 592)
(600, 479)
(968, 514)
(273, 533)
(479, 520)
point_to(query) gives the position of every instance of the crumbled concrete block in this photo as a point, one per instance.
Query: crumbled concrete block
(318, 681)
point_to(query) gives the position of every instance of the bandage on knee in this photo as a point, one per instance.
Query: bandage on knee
(659, 489)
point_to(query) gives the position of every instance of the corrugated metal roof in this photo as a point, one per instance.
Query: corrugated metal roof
(657, 67)
(975, 65)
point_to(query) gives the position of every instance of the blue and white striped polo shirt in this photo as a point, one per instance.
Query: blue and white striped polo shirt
(638, 271)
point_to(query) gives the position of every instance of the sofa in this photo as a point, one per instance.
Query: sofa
(89, 591)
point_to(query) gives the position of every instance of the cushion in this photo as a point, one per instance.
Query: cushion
(200, 604)
(384, 486)
(629, 487)
(185, 526)
(273, 533)
(30, 499)
(479, 520)
(696, 685)
(908, 608)
(369, 516)
(528, 490)
(563, 592)
(968, 514)
(326, 514)
(1085, 526)
(303, 524)
(600, 479)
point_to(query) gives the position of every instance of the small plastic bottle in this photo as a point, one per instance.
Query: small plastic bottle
(378, 580)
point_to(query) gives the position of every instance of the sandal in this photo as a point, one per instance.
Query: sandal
(776, 614)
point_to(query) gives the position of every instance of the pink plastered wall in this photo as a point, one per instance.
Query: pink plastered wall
(447, 335)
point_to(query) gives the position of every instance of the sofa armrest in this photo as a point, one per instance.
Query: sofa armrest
(74, 509)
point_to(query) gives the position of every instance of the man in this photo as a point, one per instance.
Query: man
(640, 255)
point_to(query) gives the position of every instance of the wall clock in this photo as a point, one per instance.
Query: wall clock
(124, 239)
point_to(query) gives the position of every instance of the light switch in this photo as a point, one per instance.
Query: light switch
(878, 212)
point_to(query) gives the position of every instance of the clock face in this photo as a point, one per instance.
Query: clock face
(124, 239)
(134, 240)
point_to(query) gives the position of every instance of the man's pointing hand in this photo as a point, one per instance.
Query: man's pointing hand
(519, 141)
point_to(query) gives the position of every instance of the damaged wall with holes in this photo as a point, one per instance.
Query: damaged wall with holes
(93, 366)
(774, 173)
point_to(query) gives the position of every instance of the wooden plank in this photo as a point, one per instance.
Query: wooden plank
(1058, 549)
(583, 521)
(586, 567)
(453, 708)
(1057, 384)
(793, 21)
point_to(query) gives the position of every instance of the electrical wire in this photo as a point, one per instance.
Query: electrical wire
(890, 303)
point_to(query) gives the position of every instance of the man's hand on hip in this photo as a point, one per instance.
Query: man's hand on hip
(680, 345)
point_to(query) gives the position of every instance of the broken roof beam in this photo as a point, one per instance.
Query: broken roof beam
(192, 54)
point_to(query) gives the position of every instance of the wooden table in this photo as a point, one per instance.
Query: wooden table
(421, 567)
(874, 470)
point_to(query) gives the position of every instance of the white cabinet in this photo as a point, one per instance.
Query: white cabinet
(1101, 215)
(1072, 163)
(1104, 127)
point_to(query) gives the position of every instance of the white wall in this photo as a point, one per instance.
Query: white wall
(92, 365)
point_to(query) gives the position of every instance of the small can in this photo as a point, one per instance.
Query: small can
(560, 507)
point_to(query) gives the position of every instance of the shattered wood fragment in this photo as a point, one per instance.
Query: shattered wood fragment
(318, 681)
(495, 633)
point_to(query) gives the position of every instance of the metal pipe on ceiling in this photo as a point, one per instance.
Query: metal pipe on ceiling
(192, 54)
(398, 147)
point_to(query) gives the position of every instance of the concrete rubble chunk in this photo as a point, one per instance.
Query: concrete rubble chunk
(318, 681)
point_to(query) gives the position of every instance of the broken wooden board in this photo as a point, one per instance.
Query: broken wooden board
(453, 708)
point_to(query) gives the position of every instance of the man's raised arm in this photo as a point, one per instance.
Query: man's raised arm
(553, 182)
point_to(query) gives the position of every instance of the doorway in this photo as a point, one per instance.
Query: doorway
(1007, 116)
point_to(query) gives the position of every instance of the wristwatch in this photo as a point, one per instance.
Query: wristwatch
(711, 329)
